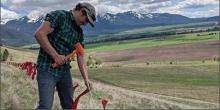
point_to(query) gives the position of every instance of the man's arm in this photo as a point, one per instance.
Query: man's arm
(42, 39)
(83, 70)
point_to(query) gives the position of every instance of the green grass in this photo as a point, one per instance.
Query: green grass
(139, 43)
(145, 42)
(97, 95)
(177, 75)
(163, 79)
(187, 63)
(32, 46)
(165, 28)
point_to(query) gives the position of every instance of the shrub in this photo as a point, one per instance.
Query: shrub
(93, 62)
(147, 63)
(4, 55)
(1, 56)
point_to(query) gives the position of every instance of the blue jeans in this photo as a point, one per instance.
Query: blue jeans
(46, 86)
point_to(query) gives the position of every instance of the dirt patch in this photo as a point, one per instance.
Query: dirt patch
(190, 51)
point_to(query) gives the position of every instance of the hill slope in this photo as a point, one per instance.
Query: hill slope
(119, 98)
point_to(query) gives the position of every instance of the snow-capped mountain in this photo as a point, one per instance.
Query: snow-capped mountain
(107, 23)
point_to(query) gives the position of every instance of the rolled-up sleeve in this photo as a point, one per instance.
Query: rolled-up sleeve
(53, 18)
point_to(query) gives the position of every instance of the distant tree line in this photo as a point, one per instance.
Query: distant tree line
(110, 38)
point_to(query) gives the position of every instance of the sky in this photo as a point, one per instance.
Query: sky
(13, 9)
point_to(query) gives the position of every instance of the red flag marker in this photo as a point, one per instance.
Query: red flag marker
(104, 103)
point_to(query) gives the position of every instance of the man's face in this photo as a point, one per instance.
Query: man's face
(83, 19)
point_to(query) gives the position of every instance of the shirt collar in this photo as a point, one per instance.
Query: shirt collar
(73, 19)
(71, 14)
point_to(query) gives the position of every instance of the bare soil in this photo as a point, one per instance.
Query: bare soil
(190, 51)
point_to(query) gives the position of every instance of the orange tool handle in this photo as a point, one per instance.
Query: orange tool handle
(79, 50)
(55, 65)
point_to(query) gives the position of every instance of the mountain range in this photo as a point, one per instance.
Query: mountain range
(20, 31)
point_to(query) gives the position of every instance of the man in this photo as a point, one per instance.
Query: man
(57, 36)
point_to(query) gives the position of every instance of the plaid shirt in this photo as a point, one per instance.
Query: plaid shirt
(65, 35)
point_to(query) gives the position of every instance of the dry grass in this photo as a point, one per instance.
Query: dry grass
(17, 90)
(21, 56)
(20, 92)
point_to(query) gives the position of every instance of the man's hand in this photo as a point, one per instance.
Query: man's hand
(88, 85)
(60, 59)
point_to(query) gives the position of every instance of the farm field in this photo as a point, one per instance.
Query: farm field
(149, 42)
(173, 72)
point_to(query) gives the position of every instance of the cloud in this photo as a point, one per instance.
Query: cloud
(113, 6)
(196, 3)
(191, 4)
(37, 3)
(18, 1)
(118, 6)
(192, 8)
(7, 15)
(204, 13)
(33, 15)
(156, 1)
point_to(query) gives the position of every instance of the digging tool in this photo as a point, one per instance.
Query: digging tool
(79, 50)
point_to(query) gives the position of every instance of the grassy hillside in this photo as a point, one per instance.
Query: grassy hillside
(20, 92)
(166, 40)
(193, 81)
(160, 87)
(158, 30)
(182, 27)
(161, 84)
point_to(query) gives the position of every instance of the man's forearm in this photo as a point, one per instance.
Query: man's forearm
(82, 67)
(45, 44)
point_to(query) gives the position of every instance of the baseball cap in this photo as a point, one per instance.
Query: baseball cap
(90, 11)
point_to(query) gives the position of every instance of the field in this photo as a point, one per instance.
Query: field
(183, 66)
(170, 72)
(158, 31)
(150, 42)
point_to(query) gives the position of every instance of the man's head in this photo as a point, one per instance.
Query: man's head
(85, 13)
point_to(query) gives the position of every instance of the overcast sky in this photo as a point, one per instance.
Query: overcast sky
(12, 9)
